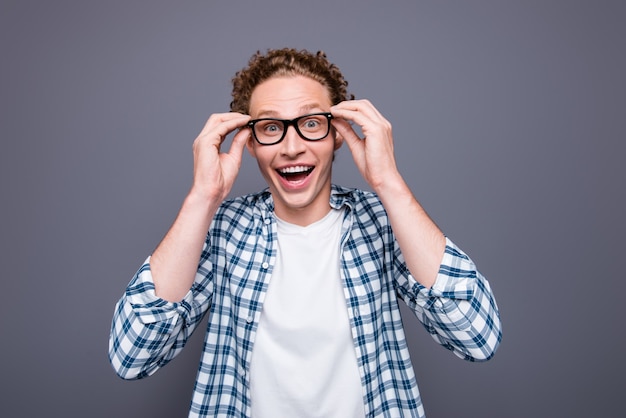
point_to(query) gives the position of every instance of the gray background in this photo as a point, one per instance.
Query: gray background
(509, 120)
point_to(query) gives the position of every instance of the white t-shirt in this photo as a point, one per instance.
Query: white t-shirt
(303, 361)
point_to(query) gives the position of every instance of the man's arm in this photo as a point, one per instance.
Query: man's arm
(175, 260)
(458, 309)
(421, 241)
(150, 326)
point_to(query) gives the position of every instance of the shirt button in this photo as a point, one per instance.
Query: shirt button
(266, 221)
(356, 312)
(265, 265)
(250, 319)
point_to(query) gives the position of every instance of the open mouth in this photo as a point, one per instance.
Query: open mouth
(296, 173)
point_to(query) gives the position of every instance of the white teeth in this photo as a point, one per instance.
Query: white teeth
(296, 169)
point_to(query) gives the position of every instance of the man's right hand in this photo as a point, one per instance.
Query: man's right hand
(174, 262)
(215, 171)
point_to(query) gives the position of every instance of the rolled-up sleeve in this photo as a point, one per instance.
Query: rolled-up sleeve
(459, 310)
(147, 331)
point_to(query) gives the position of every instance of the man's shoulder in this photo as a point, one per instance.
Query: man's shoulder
(357, 199)
(245, 205)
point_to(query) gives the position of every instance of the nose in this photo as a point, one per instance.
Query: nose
(292, 144)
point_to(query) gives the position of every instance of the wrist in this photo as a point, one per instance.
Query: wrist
(392, 185)
(201, 203)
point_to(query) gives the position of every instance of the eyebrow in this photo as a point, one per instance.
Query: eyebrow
(274, 113)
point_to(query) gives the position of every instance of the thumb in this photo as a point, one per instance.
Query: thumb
(345, 130)
(238, 144)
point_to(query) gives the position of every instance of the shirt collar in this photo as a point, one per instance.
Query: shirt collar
(339, 196)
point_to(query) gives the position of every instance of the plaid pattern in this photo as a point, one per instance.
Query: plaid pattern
(459, 311)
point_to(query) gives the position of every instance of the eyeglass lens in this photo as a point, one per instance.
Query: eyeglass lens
(311, 127)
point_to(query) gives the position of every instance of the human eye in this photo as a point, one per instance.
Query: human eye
(312, 123)
(270, 127)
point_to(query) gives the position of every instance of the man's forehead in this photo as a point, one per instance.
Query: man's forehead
(302, 110)
(283, 97)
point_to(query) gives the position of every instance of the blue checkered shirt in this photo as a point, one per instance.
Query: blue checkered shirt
(459, 310)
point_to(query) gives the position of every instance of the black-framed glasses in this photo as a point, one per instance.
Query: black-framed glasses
(270, 131)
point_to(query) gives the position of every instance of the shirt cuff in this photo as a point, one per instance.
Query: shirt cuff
(456, 278)
(150, 308)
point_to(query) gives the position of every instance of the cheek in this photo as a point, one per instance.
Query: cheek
(262, 156)
(264, 169)
(329, 148)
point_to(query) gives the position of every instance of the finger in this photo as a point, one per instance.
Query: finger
(219, 125)
(355, 144)
(344, 129)
(352, 108)
(357, 119)
(239, 143)
(365, 115)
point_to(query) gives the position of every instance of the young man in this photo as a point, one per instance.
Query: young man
(301, 281)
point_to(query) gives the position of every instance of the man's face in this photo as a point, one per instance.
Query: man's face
(297, 171)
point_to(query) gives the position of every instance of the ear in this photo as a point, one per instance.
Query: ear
(338, 139)
(250, 145)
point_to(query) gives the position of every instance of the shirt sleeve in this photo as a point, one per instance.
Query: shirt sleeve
(459, 310)
(147, 331)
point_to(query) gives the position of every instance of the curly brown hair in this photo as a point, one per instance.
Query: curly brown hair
(287, 62)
